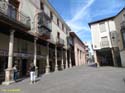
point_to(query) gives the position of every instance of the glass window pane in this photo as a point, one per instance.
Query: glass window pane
(102, 27)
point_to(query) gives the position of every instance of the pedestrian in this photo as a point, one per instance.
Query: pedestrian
(32, 74)
(15, 72)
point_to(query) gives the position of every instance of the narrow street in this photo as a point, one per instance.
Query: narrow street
(81, 79)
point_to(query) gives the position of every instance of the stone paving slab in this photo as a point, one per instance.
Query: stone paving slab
(81, 79)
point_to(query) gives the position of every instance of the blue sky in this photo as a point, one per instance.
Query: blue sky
(78, 13)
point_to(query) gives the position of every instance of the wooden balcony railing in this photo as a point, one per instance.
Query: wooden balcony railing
(60, 42)
(44, 25)
(104, 44)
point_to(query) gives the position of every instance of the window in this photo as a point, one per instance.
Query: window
(62, 27)
(67, 31)
(24, 46)
(51, 15)
(57, 21)
(58, 35)
(102, 27)
(124, 17)
(104, 41)
(38, 50)
(104, 38)
(42, 6)
(80, 54)
(123, 39)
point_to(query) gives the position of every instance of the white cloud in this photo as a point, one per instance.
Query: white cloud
(76, 27)
(76, 23)
(80, 14)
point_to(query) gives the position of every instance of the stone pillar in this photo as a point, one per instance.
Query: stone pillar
(113, 57)
(66, 64)
(62, 61)
(96, 59)
(79, 58)
(56, 64)
(77, 61)
(35, 55)
(9, 72)
(47, 60)
(70, 61)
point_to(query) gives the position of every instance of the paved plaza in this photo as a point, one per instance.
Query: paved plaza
(81, 79)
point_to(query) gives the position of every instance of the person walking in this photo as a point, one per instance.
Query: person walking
(32, 74)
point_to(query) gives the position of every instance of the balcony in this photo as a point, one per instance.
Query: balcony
(44, 25)
(104, 44)
(10, 16)
(123, 25)
(60, 42)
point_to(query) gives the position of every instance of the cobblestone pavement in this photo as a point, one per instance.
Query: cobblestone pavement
(81, 79)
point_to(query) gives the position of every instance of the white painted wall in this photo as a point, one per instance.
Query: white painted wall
(97, 34)
(30, 8)
(63, 35)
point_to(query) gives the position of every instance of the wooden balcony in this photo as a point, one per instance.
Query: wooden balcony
(44, 25)
(11, 17)
(105, 44)
(60, 42)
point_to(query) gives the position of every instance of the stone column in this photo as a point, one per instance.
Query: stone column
(79, 58)
(96, 58)
(70, 64)
(113, 57)
(56, 64)
(35, 55)
(62, 61)
(9, 72)
(66, 64)
(47, 60)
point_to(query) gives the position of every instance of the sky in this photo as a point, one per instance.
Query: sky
(78, 13)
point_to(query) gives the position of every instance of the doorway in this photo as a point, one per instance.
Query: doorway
(3, 66)
(24, 67)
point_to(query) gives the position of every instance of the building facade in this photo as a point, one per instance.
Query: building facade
(105, 42)
(78, 50)
(120, 26)
(32, 32)
(109, 33)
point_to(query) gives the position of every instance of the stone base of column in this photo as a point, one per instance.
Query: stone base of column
(66, 65)
(9, 76)
(62, 66)
(36, 71)
(56, 68)
(47, 70)
(70, 65)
